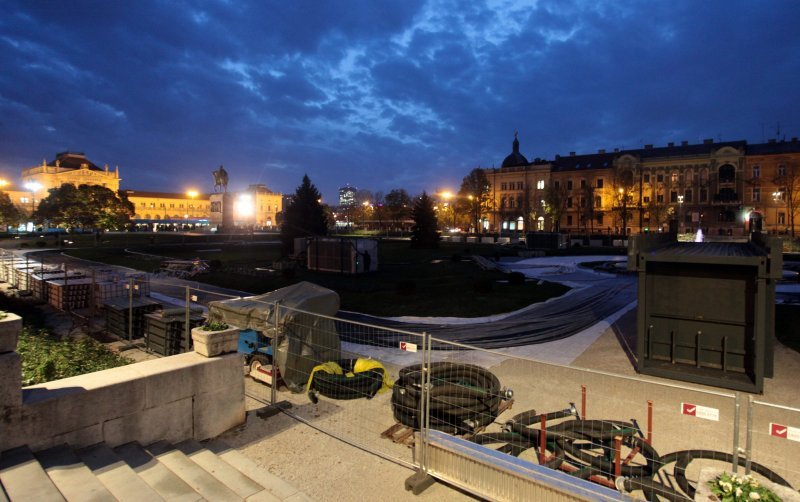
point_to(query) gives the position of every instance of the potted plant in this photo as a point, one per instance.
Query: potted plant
(10, 326)
(214, 338)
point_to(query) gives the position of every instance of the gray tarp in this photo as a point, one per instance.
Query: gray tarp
(304, 339)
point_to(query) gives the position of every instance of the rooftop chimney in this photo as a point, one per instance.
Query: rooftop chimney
(571, 154)
(670, 144)
(558, 156)
(603, 151)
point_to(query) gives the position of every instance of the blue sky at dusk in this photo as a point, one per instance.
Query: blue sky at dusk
(382, 95)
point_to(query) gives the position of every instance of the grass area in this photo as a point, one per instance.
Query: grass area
(46, 358)
(440, 282)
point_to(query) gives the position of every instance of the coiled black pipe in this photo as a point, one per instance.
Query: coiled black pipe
(463, 397)
(362, 384)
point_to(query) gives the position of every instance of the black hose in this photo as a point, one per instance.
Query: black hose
(463, 397)
(362, 384)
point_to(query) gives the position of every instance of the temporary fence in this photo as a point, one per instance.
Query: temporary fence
(425, 402)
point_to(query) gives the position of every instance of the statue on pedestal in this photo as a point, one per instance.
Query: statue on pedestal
(220, 179)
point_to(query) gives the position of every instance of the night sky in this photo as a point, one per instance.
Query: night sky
(382, 95)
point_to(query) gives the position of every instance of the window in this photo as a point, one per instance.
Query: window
(598, 201)
(703, 195)
(781, 170)
(24, 200)
(583, 201)
(660, 178)
(660, 198)
(599, 218)
(673, 196)
(727, 174)
(647, 200)
(520, 185)
(687, 196)
(674, 177)
(781, 218)
(599, 182)
(142, 204)
(583, 183)
(756, 171)
(540, 184)
(569, 220)
(556, 184)
(504, 186)
(180, 206)
(569, 201)
(569, 184)
(756, 194)
(646, 178)
(152, 205)
(172, 206)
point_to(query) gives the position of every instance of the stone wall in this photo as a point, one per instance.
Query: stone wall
(172, 398)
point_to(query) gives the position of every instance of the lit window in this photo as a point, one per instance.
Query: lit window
(540, 184)
(756, 171)
(756, 194)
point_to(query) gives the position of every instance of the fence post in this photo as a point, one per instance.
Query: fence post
(130, 310)
(736, 409)
(424, 418)
(187, 333)
(273, 388)
(749, 437)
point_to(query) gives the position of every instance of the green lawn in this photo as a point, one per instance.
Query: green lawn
(408, 282)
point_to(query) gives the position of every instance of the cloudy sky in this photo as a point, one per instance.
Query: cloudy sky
(378, 94)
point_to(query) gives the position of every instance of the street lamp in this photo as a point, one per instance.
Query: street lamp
(777, 198)
(624, 198)
(33, 187)
(680, 211)
(191, 194)
(447, 196)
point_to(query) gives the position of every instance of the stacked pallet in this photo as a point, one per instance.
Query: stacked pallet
(119, 312)
(38, 281)
(165, 331)
(6, 267)
(21, 272)
(104, 291)
(69, 294)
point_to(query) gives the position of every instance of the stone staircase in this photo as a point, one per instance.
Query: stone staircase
(188, 471)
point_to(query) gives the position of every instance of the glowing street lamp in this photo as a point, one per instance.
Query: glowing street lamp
(33, 187)
(447, 195)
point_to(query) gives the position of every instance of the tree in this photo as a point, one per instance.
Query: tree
(475, 196)
(85, 206)
(9, 214)
(424, 233)
(587, 207)
(304, 216)
(788, 180)
(398, 205)
(555, 203)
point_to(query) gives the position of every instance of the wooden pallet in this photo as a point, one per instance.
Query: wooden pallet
(403, 434)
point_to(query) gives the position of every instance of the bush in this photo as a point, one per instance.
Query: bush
(482, 285)
(406, 288)
(516, 278)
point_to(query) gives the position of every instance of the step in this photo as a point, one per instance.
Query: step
(220, 469)
(24, 479)
(160, 478)
(116, 475)
(274, 485)
(73, 479)
(194, 475)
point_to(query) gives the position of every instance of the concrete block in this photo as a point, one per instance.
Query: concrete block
(216, 412)
(10, 327)
(217, 373)
(10, 380)
(171, 422)
(79, 438)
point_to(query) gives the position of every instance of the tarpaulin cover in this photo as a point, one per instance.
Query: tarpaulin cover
(304, 339)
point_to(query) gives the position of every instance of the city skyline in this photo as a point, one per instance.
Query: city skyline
(401, 95)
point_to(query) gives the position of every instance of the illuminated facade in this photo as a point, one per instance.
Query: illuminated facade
(73, 168)
(160, 206)
(256, 207)
(717, 187)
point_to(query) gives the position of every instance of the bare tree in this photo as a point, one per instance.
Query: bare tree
(475, 196)
(788, 180)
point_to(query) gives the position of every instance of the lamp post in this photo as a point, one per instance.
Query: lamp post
(448, 196)
(680, 212)
(777, 198)
(624, 197)
(33, 187)
(191, 194)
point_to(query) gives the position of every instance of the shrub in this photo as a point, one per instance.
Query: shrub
(516, 278)
(214, 326)
(406, 287)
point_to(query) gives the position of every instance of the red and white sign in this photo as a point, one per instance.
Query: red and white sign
(784, 431)
(408, 346)
(703, 412)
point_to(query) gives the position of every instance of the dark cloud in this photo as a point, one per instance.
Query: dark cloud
(382, 95)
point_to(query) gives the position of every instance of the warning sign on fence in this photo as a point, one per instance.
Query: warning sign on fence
(408, 346)
(703, 412)
(784, 431)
